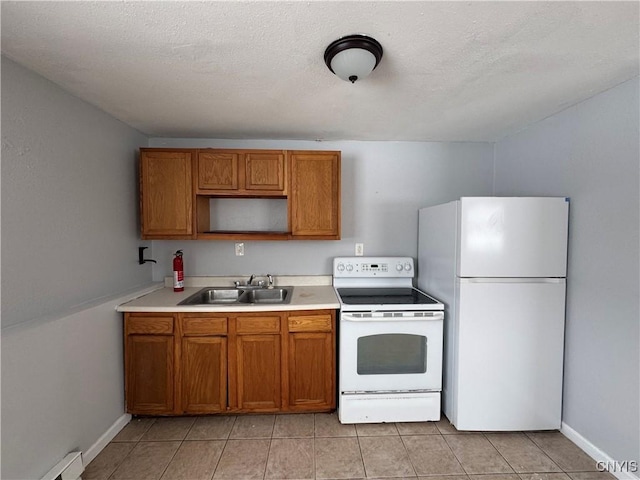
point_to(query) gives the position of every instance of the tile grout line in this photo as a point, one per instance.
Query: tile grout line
(444, 437)
(563, 470)
(535, 445)
(364, 467)
(407, 452)
(174, 455)
(313, 449)
(513, 470)
(226, 442)
(266, 464)
(136, 442)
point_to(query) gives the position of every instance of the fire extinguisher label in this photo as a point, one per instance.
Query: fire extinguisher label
(178, 279)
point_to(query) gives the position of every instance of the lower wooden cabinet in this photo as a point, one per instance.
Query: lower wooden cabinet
(258, 372)
(311, 361)
(149, 364)
(204, 374)
(201, 363)
(202, 352)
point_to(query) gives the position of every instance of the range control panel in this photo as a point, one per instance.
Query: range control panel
(368, 267)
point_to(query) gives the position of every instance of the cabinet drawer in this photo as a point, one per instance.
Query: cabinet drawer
(310, 323)
(258, 325)
(204, 326)
(149, 325)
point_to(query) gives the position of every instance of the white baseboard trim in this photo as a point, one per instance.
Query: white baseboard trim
(93, 451)
(594, 452)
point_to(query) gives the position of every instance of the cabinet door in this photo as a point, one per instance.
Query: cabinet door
(311, 361)
(149, 374)
(311, 371)
(204, 374)
(218, 171)
(314, 201)
(166, 194)
(265, 171)
(258, 372)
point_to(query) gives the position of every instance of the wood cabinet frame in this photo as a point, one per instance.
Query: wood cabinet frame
(311, 189)
(149, 363)
(311, 381)
(166, 193)
(241, 173)
(314, 203)
(303, 379)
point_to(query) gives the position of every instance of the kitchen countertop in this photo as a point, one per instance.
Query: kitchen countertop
(309, 293)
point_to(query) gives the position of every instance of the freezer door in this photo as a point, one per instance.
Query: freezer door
(513, 237)
(510, 350)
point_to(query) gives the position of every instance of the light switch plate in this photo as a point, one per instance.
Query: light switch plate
(239, 249)
(359, 249)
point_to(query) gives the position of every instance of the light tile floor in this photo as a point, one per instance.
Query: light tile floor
(317, 446)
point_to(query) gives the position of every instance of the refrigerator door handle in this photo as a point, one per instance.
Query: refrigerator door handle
(512, 280)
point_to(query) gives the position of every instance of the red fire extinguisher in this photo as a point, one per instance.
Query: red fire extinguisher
(178, 272)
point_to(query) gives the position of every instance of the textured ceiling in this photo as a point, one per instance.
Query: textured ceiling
(451, 71)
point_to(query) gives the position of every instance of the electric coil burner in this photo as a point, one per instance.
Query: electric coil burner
(390, 342)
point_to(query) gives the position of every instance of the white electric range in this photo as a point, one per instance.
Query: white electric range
(390, 342)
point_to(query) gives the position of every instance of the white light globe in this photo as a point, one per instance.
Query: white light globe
(353, 64)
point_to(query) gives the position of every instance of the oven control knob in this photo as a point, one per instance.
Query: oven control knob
(340, 267)
(399, 267)
(349, 267)
(407, 266)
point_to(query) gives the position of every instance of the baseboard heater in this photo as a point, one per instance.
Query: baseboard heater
(69, 468)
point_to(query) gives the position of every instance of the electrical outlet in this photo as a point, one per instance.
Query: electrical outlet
(359, 249)
(239, 249)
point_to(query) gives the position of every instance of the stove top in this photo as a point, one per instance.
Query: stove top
(379, 284)
(363, 296)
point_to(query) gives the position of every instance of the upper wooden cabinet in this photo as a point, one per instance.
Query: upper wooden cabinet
(178, 186)
(218, 171)
(166, 193)
(315, 195)
(241, 173)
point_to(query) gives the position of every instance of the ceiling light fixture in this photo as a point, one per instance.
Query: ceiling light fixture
(353, 57)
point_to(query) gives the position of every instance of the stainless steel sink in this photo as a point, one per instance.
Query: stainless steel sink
(240, 296)
(209, 295)
(265, 295)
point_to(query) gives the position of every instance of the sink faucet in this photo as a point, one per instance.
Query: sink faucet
(268, 276)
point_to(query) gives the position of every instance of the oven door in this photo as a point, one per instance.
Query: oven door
(391, 351)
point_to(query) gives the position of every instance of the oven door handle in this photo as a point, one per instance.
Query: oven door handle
(350, 317)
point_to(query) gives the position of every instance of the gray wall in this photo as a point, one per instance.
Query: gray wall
(62, 388)
(589, 152)
(69, 243)
(383, 185)
(69, 191)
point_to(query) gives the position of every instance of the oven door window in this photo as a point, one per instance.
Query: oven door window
(392, 354)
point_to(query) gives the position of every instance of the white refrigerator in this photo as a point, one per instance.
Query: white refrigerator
(499, 265)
